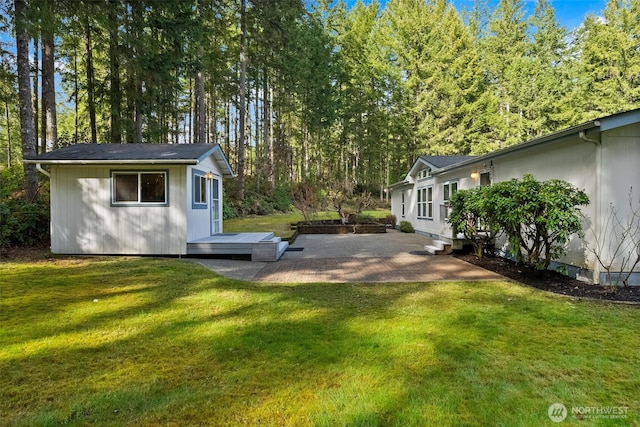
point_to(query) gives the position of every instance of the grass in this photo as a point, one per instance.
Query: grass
(280, 224)
(128, 341)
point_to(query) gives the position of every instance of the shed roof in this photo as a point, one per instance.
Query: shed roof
(134, 154)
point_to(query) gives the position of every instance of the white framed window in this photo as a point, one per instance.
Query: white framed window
(402, 204)
(424, 173)
(425, 202)
(139, 188)
(199, 190)
(485, 178)
(449, 189)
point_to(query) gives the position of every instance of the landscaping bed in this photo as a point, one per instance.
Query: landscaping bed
(553, 281)
(336, 227)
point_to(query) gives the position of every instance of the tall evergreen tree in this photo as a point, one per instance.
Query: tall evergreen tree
(24, 94)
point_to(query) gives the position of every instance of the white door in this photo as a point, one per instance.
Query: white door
(215, 206)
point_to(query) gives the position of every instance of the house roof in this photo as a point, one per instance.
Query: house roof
(134, 154)
(588, 131)
(444, 161)
(436, 162)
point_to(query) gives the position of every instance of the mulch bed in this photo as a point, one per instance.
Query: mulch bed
(552, 281)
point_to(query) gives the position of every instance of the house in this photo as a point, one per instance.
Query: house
(143, 199)
(602, 157)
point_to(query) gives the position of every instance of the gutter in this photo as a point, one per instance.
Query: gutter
(42, 171)
(583, 136)
(580, 129)
(112, 162)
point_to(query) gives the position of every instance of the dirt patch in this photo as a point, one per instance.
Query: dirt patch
(552, 281)
(37, 253)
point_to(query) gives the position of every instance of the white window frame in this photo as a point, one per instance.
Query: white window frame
(139, 201)
(449, 188)
(425, 202)
(402, 204)
(424, 174)
(199, 191)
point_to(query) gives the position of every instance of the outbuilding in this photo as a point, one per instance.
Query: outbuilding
(142, 199)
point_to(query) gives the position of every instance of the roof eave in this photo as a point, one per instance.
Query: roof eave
(112, 162)
(522, 146)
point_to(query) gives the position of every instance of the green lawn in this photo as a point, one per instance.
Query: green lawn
(128, 341)
(280, 224)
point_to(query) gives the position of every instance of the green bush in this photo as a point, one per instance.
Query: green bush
(469, 216)
(23, 223)
(406, 227)
(538, 217)
(280, 199)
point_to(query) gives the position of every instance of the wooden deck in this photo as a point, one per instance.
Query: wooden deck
(260, 246)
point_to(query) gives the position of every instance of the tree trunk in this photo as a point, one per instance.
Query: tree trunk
(6, 116)
(90, 80)
(27, 132)
(49, 116)
(201, 126)
(242, 101)
(267, 150)
(36, 99)
(114, 74)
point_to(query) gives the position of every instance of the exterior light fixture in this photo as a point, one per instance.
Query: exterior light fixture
(209, 175)
(474, 175)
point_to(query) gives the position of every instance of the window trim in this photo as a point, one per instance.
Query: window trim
(196, 176)
(425, 202)
(447, 190)
(139, 172)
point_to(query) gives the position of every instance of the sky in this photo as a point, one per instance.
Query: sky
(570, 13)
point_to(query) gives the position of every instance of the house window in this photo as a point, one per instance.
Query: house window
(423, 174)
(199, 190)
(449, 189)
(139, 188)
(402, 204)
(485, 179)
(425, 202)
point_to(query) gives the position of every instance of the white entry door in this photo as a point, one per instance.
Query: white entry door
(215, 206)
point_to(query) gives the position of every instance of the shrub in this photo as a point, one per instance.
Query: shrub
(470, 217)
(390, 220)
(538, 217)
(406, 227)
(280, 198)
(23, 223)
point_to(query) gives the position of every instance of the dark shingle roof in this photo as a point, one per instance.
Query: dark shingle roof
(127, 152)
(444, 161)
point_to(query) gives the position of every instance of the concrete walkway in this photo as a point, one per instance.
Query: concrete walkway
(390, 257)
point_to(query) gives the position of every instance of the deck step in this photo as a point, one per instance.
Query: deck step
(268, 250)
(438, 247)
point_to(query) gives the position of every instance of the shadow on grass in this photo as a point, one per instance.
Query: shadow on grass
(173, 344)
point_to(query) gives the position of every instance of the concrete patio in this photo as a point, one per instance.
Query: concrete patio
(390, 257)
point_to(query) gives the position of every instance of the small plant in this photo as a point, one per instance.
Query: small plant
(305, 199)
(406, 227)
(391, 221)
(617, 247)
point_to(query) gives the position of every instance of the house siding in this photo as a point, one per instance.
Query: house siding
(606, 171)
(84, 221)
(199, 220)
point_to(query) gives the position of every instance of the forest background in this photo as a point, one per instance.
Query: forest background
(318, 93)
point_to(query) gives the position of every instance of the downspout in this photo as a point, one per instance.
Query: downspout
(42, 171)
(598, 212)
